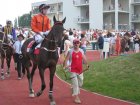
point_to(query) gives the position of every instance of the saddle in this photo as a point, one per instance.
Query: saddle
(31, 48)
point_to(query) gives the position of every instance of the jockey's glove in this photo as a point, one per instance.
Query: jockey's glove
(41, 33)
(46, 33)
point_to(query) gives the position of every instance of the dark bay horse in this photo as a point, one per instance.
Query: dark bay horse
(47, 58)
(6, 51)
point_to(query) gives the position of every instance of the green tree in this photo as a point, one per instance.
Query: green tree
(25, 20)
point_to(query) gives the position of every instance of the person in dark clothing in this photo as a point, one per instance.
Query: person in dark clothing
(18, 56)
(137, 43)
(133, 33)
(70, 32)
(100, 44)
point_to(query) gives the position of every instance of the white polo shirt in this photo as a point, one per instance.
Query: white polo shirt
(17, 46)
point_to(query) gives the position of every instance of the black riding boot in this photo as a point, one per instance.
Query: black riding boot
(33, 47)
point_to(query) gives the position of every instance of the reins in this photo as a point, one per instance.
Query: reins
(52, 41)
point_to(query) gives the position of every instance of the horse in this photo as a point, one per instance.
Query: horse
(6, 52)
(47, 58)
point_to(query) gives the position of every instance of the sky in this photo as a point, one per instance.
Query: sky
(11, 9)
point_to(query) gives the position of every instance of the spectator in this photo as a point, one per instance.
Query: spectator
(18, 55)
(137, 43)
(112, 44)
(106, 46)
(84, 43)
(100, 44)
(118, 44)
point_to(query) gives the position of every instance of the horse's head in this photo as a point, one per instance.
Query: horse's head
(3, 38)
(56, 32)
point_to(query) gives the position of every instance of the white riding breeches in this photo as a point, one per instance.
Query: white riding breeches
(38, 38)
(10, 36)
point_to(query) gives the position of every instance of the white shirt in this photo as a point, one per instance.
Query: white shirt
(106, 44)
(68, 44)
(17, 46)
(112, 40)
(71, 38)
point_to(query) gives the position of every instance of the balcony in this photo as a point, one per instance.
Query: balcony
(136, 2)
(111, 8)
(123, 27)
(54, 9)
(81, 20)
(108, 26)
(135, 17)
(80, 3)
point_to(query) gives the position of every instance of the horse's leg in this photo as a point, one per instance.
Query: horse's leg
(8, 60)
(33, 71)
(2, 66)
(43, 85)
(30, 79)
(52, 72)
(31, 91)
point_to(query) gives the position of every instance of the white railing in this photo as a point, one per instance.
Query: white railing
(112, 26)
(123, 27)
(80, 19)
(108, 26)
(135, 17)
(136, 1)
(78, 2)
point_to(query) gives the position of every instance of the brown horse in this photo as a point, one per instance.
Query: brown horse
(47, 58)
(6, 51)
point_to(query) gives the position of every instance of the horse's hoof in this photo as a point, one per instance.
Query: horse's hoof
(52, 103)
(32, 95)
(2, 77)
(8, 75)
(38, 94)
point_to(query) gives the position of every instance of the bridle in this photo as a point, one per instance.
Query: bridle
(52, 41)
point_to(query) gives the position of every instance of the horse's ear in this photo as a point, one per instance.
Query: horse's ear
(54, 19)
(63, 21)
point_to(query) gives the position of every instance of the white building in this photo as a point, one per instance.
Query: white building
(135, 14)
(95, 14)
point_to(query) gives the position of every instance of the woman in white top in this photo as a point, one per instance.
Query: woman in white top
(106, 46)
(67, 45)
(84, 43)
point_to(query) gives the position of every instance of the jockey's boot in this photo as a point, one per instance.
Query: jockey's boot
(33, 48)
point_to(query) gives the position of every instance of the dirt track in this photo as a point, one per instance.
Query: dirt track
(15, 92)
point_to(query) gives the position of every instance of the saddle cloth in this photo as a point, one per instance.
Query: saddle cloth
(37, 48)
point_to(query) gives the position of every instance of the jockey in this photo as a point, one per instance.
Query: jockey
(9, 31)
(40, 24)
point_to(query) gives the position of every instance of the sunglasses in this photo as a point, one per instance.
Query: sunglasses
(76, 43)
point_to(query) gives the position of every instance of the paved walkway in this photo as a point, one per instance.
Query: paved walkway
(15, 92)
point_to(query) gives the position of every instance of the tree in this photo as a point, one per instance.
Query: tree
(24, 20)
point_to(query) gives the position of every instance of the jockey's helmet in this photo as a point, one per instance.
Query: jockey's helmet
(43, 6)
(8, 22)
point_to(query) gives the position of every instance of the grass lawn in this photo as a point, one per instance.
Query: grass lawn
(116, 77)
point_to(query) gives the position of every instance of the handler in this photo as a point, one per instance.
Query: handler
(76, 57)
